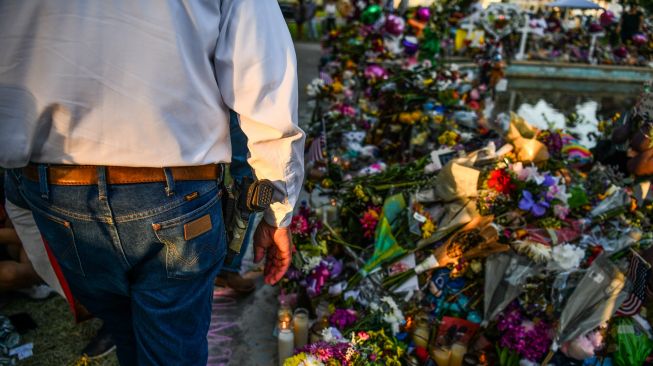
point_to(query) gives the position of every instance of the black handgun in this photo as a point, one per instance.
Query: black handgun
(242, 200)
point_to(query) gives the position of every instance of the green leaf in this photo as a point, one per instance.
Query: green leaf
(578, 198)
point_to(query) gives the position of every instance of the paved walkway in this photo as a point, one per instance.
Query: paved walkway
(241, 332)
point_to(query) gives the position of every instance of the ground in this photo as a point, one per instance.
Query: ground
(241, 330)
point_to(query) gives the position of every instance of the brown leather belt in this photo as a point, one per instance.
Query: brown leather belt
(81, 175)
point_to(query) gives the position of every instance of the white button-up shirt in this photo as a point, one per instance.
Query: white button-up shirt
(150, 83)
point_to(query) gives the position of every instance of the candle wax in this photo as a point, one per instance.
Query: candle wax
(286, 341)
(300, 323)
(441, 356)
(457, 353)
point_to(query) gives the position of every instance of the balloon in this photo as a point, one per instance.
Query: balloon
(375, 72)
(423, 14)
(621, 52)
(371, 14)
(639, 39)
(410, 45)
(607, 18)
(395, 25)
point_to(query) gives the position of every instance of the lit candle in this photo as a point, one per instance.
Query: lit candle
(458, 351)
(331, 212)
(441, 356)
(300, 324)
(286, 342)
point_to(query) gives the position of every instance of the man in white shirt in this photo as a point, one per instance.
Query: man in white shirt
(114, 116)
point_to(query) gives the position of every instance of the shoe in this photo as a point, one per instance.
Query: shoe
(101, 345)
(37, 292)
(235, 282)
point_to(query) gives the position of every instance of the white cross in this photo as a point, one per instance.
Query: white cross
(524, 37)
(468, 25)
(590, 56)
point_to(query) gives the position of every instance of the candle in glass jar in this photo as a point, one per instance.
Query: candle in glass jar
(458, 351)
(441, 356)
(300, 324)
(286, 342)
(421, 332)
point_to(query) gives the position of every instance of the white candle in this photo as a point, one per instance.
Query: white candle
(286, 344)
(300, 324)
(458, 351)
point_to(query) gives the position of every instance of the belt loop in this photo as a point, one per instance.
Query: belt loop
(102, 183)
(222, 171)
(170, 182)
(43, 181)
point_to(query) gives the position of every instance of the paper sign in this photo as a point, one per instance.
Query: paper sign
(412, 284)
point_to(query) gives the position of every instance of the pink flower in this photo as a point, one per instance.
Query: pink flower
(299, 225)
(561, 211)
(363, 335)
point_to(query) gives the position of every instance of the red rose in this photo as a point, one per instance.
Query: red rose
(501, 181)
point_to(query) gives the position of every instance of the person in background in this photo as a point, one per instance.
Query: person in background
(18, 211)
(631, 23)
(330, 18)
(120, 154)
(16, 271)
(311, 9)
(300, 18)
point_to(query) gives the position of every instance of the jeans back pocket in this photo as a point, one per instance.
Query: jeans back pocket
(58, 233)
(194, 242)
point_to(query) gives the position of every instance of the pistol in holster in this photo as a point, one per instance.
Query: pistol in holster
(240, 201)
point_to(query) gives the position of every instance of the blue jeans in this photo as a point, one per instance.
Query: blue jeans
(239, 169)
(125, 254)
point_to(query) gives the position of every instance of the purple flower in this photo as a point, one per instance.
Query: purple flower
(528, 203)
(548, 181)
(328, 351)
(335, 265)
(531, 339)
(317, 279)
(342, 318)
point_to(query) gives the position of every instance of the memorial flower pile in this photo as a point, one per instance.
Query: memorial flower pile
(432, 235)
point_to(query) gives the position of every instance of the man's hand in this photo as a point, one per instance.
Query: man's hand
(274, 243)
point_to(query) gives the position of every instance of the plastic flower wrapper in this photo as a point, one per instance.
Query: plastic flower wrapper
(505, 276)
(454, 216)
(456, 182)
(594, 301)
(614, 204)
(476, 239)
(386, 247)
(527, 147)
(633, 345)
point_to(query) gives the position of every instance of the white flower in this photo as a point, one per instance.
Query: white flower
(567, 256)
(311, 263)
(528, 173)
(315, 87)
(331, 335)
(394, 317)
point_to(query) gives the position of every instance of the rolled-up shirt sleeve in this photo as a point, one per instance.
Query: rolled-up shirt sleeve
(256, 71)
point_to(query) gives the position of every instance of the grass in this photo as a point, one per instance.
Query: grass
(57, 339)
